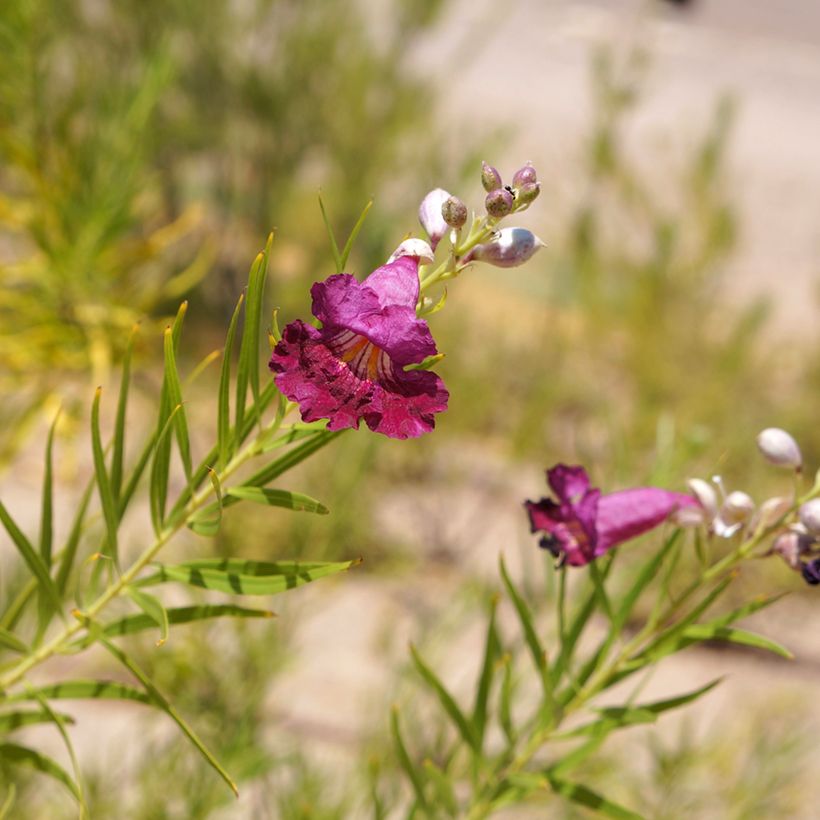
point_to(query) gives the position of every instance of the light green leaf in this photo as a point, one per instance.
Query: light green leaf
(82, 690)
(23, 756)
(492, 650)
(446, 700)
(118, 451)
(223, 418)
(153, 608)
(278, 498)
(345, 254)
(73, 540)
(405, 761)
(174, 392)
(14, 720)
(591, 800)
(207, 521)
(708, 632)
(110, 512)
(9, 640)
(246, 577)
(334, 248)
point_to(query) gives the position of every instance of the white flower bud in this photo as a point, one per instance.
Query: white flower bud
(810, 516)
(509, 248)
(430, 215)
(413, 247)
(772, 510)
(779, 448)
(705, 494)
(737, 508)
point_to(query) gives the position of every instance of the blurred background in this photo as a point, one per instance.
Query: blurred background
(147, 148)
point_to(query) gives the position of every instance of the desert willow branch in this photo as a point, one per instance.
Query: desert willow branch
(61, 640)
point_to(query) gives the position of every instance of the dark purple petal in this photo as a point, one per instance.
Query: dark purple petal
(626, 514)
(341, 302)
(570, 527)
(396, 283)
(568, 482)
(811, 572)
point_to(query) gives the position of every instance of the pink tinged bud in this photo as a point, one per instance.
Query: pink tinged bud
(527, 193)
(454, 212)
(772, 510)
(810, 516)
(417, 248)
(779, 448)
(490, 178)
(499, 203)
(430, 215)
(525, 176)
(509, 248)
(705, 494)
(789, 546)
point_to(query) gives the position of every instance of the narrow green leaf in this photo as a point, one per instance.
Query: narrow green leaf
(600, 591)
(334, 248)
(47, 506)
(647, 573)
(166, 706)
(153, 608)
(426, 364)
(223, 419)
(69, 552)
(246, 577)
(207, 522)
(118, 451)
(444, 796)
(295, 432)
(17, 606)
(571, 637)
(591, 800)
(706, 632)
(446, 700)
(174, 392)
(110, 512)
(539, 655)
(136, 474)
(747, 609)
(14, 720)
(131, 624)
(82, 690)
(505, 702)
(23, 756)
(405, 761)
(345, 254)
(8, 802)
(9, 640)
(492, 650)
(278, 498)
(160, 467)
(32, 559)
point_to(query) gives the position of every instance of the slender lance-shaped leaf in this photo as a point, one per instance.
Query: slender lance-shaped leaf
(166, 706)
(492, 650)
(131, 624)
(8, 640)
(14, 720)
(443, 787)
(73, 540)
(118, 450)
(8, 802)
(405, 761)
(505, 702)
(158, 490)
(47, 506)
(223, 417)
(345, 254)
(22, 755)
(32, 559)
(334, 248)
(591, 800)
(279, 498)
(539, 655)
(109, 507)
(246, 577)
(706, 632)
(446, 700)
(153, 608)
(207, 522)
(83, 690)
(174, 388)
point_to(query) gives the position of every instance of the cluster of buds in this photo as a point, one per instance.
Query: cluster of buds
(797, 538)
(441, 213)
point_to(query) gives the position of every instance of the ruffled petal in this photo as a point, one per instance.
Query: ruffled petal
(569, 483)
(396, 283)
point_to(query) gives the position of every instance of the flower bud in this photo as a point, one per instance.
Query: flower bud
(788, 546)
(499, 203)
(490, 178)
(413, 247)
(454, 212)
(811, 572)
(779, 448)
(810, 516)
(525, 176)
(509, 248)
(431, 217)
(737, 508)
(527, 193)
(705, 495)
(772, 510)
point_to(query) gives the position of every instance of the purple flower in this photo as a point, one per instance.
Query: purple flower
(811, 572)
(582, 524)
(353, 367)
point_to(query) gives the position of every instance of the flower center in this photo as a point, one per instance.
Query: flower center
(364, 359)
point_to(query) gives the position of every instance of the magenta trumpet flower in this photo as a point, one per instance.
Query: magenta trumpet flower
(353, 367)
(581, 524)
